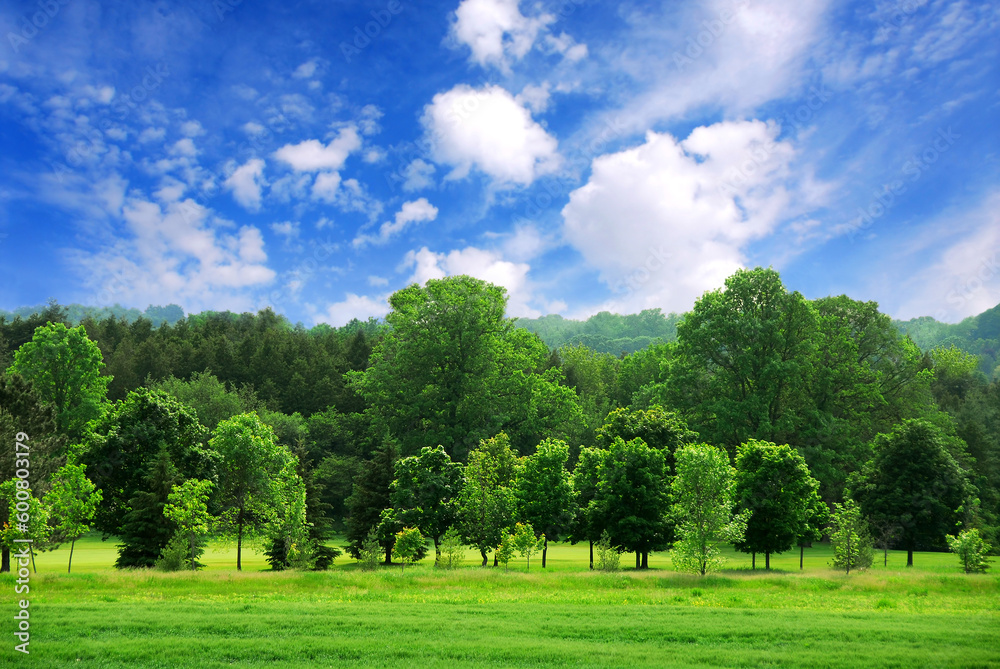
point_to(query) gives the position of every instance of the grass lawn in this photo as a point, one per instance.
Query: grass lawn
(931, 615)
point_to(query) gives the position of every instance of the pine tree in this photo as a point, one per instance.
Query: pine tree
(145, 532)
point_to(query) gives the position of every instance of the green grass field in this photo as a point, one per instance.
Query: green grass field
(931, 615)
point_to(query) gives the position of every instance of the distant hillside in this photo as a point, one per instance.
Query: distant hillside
(606, 332)
(977, 334)
(75, 313)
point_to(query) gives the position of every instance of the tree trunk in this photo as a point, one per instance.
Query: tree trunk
(591, 556)
(802, 553)
(483, 553)
(545, 549)
(239, 544)
(5, 561)
(31, 550)
(638, 560)
(388, 555)
(767, 561)
(909, 557)
(70, 567)
(495, 560)
(645, 559)
(753, 561)
(885, 557)
(437, 550)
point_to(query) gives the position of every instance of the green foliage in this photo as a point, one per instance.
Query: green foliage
(187, 508)
(526, 543)
(594, 377)
(23, 413)
(72, 500)
(589, 523)
(631, 499)
(34, 520)
(608, 556)
(370, 496)
(971, 549)
(849, 536)
(505, 551)
(605, 333)
(425, 492)
(773, 484)
(409, 545)
(913, 481)
(369, 553)
(452, 553)
(659, 428)
(544, 490)
(702, 493)
(64, 366)
(487, 504)
(209, 398)
(144, 531)
(176, 555)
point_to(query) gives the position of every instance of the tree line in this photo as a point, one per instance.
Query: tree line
(449, 416)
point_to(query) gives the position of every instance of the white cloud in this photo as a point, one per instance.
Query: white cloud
(496, 31)
(152, 135)
(305, 70)
(481, 264)
(246, 182)
(184, 147)
(326, 186)
(488, 129)
(667, 220)
(380, 281)
(192, 129)
(418, 175)
(312, 155)
(253, 128)
(287, 229)
(355, 306)
(567, 46)
(535, 98)
(415, 211)
(368, 120)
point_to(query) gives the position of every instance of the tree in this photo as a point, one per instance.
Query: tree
(659, 428)
(914, 481)
(64, 366)
(817, 518)
(253, 465)
(773, 483)
(632, 498)
(505, 551)
(452, 552)
(588, 523)
(608, 556)
(526, 543)
(425, 492)
(544, 491)
(370, 552)
(123, 444)
(144, 531)
(371, 495)
(852, 545)
(408, 545)
(187, 508)
(971, 550)
(454, 370)
(742, 362)
(72, 501)
(288, 529)
(211, 401)
(702, 493)
(487, 505)
(28, 518)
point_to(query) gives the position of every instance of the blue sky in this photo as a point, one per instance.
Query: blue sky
(316, 156)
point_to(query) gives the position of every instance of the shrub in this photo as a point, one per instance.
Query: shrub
(175, 555)
(452, 550)
(371, 552)
(608, 556)
(971, 549)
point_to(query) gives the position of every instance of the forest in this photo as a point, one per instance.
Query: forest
(451, 424)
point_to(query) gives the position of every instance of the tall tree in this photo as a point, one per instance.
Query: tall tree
(72, 500)
(371, 496)
(914, 481)
(253, 466)
(702, 495)
(544, 491)
(64, 366)
(773, 483)
(852, 545)
(143, 530)
(425, 493)
(187, 508)
(632, 498)
(487, 505)
(588, 525)
(659, 428)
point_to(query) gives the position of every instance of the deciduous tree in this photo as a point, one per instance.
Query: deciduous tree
(544, 491)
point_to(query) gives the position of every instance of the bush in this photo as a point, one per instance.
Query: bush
(323, 557)
(452, 550)
(175, 555)
(971, 549)
(371, 552)
(608, 557)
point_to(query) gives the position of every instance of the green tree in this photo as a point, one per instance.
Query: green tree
(588, 525)
(702, 493)
(187, 508)
(452, 552)
(914, 481)
(505, 551)
(124, 443)
(526, 543)
(370, 497)
(369, 552)
(28, 518)
(144, 531)
(64, 366)
(253, 465)
(742, 364)
(659, 428)
(408, 545)
(632, 498)
(454, 370)
(211, 401)
(971, 550)
(487, 504)
(773, 483)
(544, 492)
(425, 492)
(852, 545)
(817, 518)
(288, 529)
(608, 556)
(72, 500)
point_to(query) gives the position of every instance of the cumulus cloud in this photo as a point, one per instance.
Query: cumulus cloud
(287, 229)
(355, 306)
(246, 182)
(312, 155)
(488, 129)
(479, 263)
(667, 220)
(305, 70)
(418, 175)
(496, 31)
(326, 186)
(416, 211)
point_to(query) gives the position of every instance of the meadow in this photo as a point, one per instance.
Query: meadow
(931, 615)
